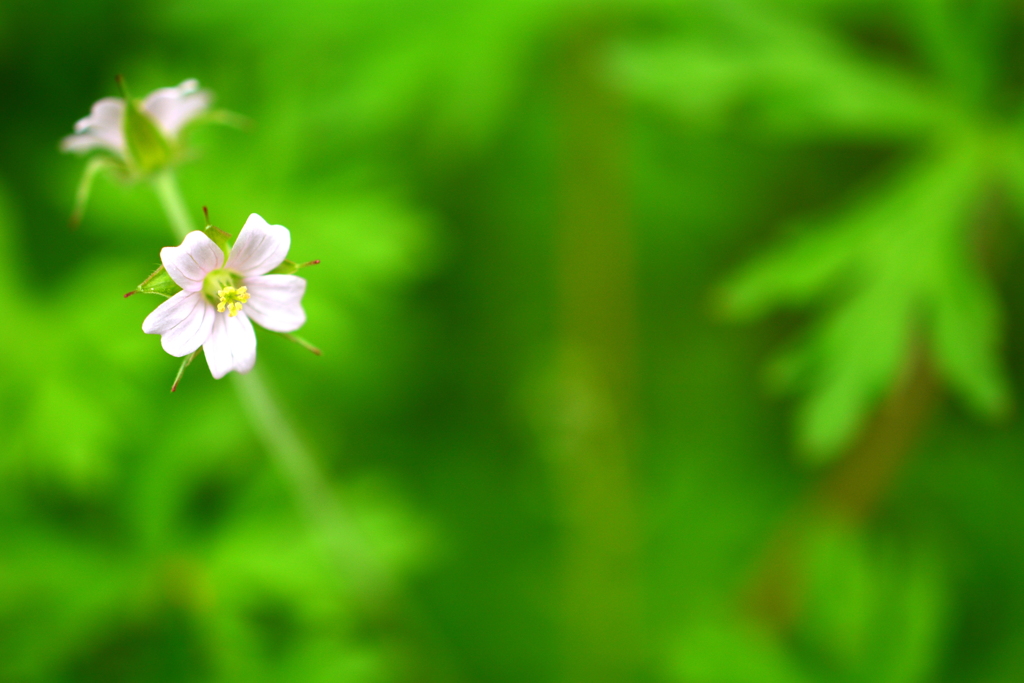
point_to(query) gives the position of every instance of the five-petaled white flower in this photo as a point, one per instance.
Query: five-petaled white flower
(169, 108)
(218, 298)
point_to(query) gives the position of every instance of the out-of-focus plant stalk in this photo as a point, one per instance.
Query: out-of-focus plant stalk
(595, 436)
(339, 530)
(284, 445)
(388, 609)
(847, 495)
(166, 185)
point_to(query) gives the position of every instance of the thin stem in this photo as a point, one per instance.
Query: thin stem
(848, 494)
(374, 587)
(167, 191)
(317, 499)
(284, 444)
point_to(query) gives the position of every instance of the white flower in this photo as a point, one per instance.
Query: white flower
(169, 108)
(218, 299)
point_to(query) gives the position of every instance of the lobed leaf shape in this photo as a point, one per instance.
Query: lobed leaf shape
(873, 611)
(892, 272)
(780, 76)
(870, 612)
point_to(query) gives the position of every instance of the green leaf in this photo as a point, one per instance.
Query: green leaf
(873, 611)
(890, 271)
(725, 649)
(1011, 158)
(967, 326)
(770, 73)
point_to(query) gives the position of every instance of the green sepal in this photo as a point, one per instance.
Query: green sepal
(290, 267)
(147, 147)
(301, 342)
(159, 282)
(228, 118)
(286, 268)
(220, 238)
(185, 362)
(92, 169)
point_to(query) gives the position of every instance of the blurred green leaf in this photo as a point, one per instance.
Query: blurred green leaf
(893, 271)
(419, 151)
(725, 651)
(872, 614)
(754, 67)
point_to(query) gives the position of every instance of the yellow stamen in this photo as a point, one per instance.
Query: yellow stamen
(232, 300)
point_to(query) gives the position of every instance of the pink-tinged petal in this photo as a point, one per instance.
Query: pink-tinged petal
(260, 247)
(86, 142)
(189, 263)
(184, 322)
(231, 345)
(106, 113)
(276, 301)
(173, 108)
(101, 129)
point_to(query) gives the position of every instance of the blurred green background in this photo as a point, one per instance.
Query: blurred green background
(663, 341)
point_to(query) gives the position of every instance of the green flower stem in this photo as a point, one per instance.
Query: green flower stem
(166, 186)
(338, 530)
(849, 494)
(387, 608)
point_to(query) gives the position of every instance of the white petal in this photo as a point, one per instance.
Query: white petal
(184, 322)
(231, 345)
(85, 142)
(189, 264)
(101, 129)
(260, 247)
(172, 108)
(276, 301)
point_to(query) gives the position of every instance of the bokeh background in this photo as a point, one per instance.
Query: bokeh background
(663, 341)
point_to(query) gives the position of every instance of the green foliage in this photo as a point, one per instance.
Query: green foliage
(896, 271)
(867, 157)
(868, 613)
(899, 272)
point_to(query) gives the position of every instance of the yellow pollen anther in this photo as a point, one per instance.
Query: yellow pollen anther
(232, 300)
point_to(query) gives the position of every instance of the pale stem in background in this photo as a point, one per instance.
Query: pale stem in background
(166, 186)
(279, 438)
(595, 439)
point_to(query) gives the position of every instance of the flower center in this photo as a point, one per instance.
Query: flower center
(223, 288)
(232, 299)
